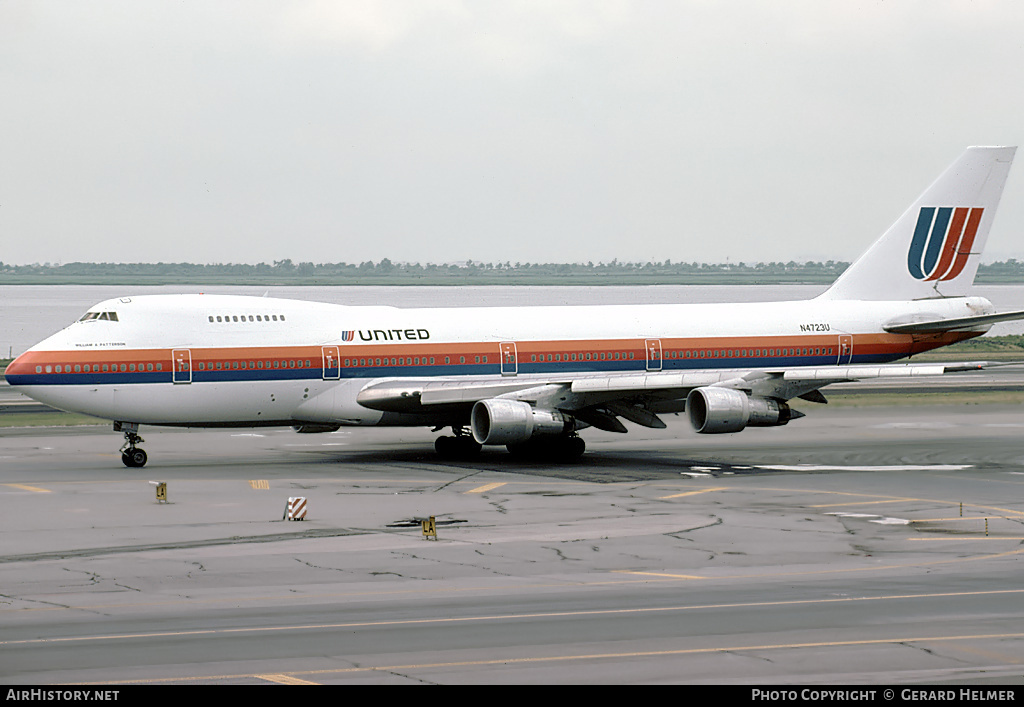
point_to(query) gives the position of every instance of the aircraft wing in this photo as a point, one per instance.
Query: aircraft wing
(600, 398)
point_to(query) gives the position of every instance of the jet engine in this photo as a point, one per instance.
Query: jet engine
(717, 410)
(499, 421)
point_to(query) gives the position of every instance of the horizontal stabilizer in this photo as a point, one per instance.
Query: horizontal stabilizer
(958, 323)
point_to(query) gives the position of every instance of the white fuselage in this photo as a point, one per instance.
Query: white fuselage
(211, 360)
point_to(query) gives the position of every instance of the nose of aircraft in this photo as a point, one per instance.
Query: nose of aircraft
(18, 369)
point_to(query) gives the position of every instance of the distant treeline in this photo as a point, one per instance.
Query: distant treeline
(388, 272)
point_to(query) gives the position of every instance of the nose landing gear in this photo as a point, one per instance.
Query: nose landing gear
(131, 456)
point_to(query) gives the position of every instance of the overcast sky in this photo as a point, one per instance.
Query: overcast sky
(544, 131)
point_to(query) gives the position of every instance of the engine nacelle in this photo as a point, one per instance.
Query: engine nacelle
(500, 421)
(716, 410)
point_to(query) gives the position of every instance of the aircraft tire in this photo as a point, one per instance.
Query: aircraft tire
(456, 447)
(134, 458)
(561, 449)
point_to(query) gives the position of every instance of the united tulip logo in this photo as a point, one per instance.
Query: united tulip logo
(942, 241)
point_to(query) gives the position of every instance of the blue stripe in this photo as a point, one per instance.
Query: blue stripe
(924, 222)
(937, 239)
(493, 369)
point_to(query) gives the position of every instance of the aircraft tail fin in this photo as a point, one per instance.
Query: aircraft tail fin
(934, 248)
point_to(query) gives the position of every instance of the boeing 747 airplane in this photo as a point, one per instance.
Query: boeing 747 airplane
(530, 378)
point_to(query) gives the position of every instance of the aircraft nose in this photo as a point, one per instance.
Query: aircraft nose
(18, 369)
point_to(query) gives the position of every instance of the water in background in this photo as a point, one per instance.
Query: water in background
(30, 313)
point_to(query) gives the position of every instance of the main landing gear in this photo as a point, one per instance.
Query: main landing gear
(562, 449)
(559, 449)
(461, 446)
(133, 457)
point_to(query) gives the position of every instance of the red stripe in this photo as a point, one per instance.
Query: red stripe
(956, 228)
(964, 249)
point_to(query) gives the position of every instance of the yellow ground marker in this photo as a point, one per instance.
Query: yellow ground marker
(260, 485)
(285, 679)
(692, 493)
(26, 487)
(487, 487)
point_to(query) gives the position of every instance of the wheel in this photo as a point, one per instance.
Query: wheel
(134, 458)
(456, 447)
(445, 447)
(570, 449)
(543, 450)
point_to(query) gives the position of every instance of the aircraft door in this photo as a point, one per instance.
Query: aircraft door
(332, 363)
(845, 349)
(509, 360)
(181, 366)
(653, 354)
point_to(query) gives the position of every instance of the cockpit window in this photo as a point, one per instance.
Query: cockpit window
(93, 316)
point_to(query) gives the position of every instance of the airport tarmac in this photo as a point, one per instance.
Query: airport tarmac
(854, 546)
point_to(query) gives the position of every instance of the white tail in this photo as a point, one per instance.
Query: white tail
(934, 248)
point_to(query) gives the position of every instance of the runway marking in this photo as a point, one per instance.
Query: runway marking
(875, 568)
(661, 574)
(961, 537)
(956, 518)
(487, 487)
(500, 617)
(26, 487)
(693, 493)
(260, 484)
(841, 467)
(282, 679)
(861, 503)
(506, 661)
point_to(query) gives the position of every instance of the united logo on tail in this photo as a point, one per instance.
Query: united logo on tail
(942, 241)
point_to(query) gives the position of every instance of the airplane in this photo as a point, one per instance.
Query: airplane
(530, 378)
